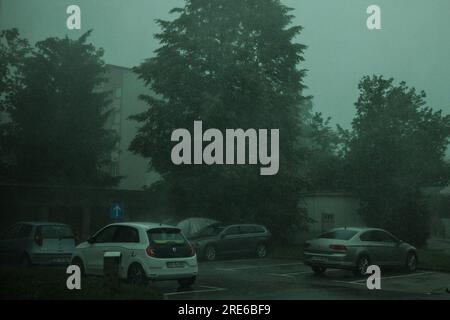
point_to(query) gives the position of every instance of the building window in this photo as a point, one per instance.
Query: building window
(117, 118)
(118, 93)
(114, 168)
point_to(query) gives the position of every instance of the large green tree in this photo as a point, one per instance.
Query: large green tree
(13, 50)
(396, 147)
(231, 64)
(56, 110)
(325, 161)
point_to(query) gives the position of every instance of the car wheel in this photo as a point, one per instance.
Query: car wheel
(261, 250)
(411, 262)
(187, 282)
(25, 261)
(361, 266)
(136, 275)
(319, 270)
(210, 253)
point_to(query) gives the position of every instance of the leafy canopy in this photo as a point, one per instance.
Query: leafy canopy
(55, 133)
(396, 147)
(231, 64)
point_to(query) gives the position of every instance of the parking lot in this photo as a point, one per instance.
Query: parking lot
(291, 279)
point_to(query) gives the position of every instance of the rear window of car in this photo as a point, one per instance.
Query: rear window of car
(338, 235)
(55, 232)
(163, 236)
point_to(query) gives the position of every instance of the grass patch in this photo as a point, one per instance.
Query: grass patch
(434, 259)
(49, 283)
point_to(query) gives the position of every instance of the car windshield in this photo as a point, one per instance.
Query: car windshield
(338, 235)
(209, 231)
(55, 232)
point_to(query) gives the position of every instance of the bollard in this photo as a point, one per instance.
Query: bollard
(111, 265)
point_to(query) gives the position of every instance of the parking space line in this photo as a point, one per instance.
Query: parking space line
(232, 269)
(207, 289)
(261, 266)
(399, 276)
(349, 282)
(290, 274)
(239, 260)
(363, 281)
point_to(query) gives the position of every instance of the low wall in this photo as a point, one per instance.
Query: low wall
(85, 209)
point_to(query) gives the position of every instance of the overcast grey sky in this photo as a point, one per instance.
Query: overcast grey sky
(414, 44)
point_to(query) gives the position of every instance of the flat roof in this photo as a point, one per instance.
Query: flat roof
(118, 67)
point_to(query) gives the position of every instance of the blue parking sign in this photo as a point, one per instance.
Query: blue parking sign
(116, 211)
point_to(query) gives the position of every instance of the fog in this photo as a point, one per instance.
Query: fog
(412, 46)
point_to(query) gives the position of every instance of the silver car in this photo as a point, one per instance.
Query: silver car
(357, 248)
(31, 243)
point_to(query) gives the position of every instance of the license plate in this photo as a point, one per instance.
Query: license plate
(175, 264)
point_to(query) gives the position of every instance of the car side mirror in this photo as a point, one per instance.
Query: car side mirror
(91, 240)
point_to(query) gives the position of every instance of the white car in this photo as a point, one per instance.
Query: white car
(149, 251)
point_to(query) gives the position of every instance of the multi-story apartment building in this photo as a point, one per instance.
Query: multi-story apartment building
(125, 88)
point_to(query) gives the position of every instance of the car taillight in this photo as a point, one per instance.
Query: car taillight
(38, 240)
(338, 247)
(150, 251)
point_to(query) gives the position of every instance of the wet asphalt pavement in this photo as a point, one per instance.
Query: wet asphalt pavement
(273, 279)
